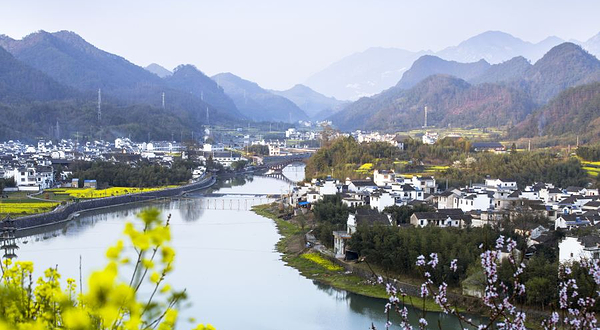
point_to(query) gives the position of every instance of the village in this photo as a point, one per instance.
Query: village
(490, 203)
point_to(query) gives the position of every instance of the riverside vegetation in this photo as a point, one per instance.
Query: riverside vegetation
(345, 157)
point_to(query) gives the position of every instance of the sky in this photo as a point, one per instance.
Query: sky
(279, 43)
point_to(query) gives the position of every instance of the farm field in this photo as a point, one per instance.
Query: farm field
(592, 168)
(90, 193)
(17, 204)
(477, 133)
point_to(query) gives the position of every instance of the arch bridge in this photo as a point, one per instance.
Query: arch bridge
(278, 163)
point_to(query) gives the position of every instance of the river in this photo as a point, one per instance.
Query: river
(225, 259)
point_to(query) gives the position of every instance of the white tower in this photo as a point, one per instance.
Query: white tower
(425, 124)
(163, 100)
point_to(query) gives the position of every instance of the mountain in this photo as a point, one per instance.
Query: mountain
(511, 70)
(72, 61)
(376, 69)
(19, 83)
(158, 70)
(317, 106)
(256, 103)
(363, 74)
(429, 65)
(34, 96)
(566, 65)
(592, 45)
(496, 47)
(575, 111)
(189, 79)
(451, 102)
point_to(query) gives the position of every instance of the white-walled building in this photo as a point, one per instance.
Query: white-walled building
(384, 178)
(382, 199)
(576, 249)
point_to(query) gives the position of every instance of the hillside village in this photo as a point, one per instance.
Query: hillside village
(490, 203)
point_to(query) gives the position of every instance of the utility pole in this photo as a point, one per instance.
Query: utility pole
(99, 105)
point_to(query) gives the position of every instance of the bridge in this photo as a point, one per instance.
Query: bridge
(278, 163)
(276, 175)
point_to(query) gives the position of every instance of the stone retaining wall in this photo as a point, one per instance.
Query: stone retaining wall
(63, 213)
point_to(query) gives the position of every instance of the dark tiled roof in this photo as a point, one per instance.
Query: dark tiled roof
(368, 217)
(363, 183)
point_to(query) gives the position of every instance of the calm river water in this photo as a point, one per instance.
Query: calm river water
(225, 259)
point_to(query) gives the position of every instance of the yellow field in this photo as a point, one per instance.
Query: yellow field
(26, 208)
(100, 193)
(365, 168)
(592, 168)
(316, 258)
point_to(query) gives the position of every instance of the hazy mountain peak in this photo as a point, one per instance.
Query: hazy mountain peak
(428, 65)
(158, 70)
(257, 103)
(317, 106)
(491, 38)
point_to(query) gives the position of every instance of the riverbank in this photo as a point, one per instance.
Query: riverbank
(315, 265)
(65, 213)
(358, 278)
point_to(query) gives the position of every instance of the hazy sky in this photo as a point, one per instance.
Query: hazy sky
(280, 43)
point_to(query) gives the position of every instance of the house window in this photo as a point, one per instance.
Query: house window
(421, 222)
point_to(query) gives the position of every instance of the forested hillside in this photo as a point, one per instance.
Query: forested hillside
(450, 101)
(575, 111)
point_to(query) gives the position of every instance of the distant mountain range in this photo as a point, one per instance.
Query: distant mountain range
(257, 103)
(487, 95)
(377, 69)
(317, 106)
(49, 85)
(363, 74)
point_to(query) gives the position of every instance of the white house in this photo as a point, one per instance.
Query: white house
(501, 184)
(33, 178)
(366, 217)
(353, 202)
(575, 249)
(570, 221)
(472, 202)
(381, 199)
(313, 196)
(329, 187)
(446, 218)
(360, 185)
(274, 150)
(383, 178)
(426, 183)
